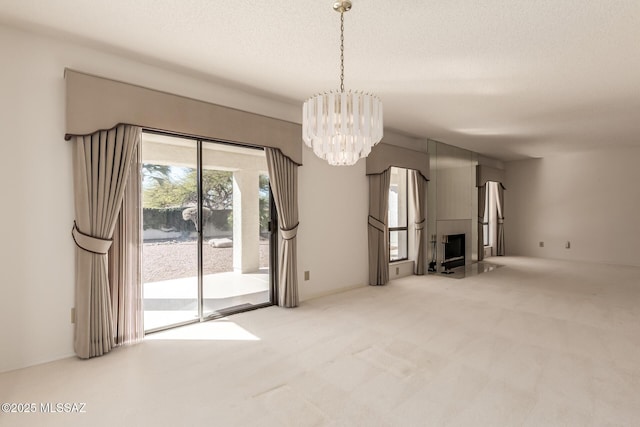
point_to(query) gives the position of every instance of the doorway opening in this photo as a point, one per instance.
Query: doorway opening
(208, 220)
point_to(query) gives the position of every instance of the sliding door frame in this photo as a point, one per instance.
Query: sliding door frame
(199, 230)
(273, 237)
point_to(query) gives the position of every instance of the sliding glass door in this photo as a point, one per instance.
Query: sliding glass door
(170, 240)
(206, 238)
(235, 256)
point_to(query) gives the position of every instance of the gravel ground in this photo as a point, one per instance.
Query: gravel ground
(172, 260)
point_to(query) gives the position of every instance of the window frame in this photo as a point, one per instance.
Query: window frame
(406, 227)
(486, 229)
(489, 220)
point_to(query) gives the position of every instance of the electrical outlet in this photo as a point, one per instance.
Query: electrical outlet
(541, 244)
(397, 270)
(568, 245)
(306, 275)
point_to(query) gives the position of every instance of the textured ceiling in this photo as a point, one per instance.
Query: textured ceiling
(506, 78)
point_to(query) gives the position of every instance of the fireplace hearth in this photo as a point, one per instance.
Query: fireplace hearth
(454, 251)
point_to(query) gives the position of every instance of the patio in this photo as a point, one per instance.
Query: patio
(173, 301)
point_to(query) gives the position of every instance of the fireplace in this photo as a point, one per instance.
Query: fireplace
(454, 248)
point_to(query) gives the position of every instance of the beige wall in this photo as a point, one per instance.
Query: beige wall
(37, 254)
(591, 199)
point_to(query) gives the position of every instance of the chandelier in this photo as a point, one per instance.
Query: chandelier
(342, 127)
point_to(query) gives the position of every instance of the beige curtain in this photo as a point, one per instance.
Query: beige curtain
(283, 175)
(482, 192)
(125, 256)
(417, 183)
(378, 230)
(500, 203)
(102, 162)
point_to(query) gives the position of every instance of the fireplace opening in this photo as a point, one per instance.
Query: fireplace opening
(454, 246)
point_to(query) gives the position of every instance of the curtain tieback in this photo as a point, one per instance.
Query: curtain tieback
(375, 223)
(420, 224)
(289, 233)
(500, 220)
(89, 243)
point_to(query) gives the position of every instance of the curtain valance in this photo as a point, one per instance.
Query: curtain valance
(123, 103)
(383, 156)
(487, 173)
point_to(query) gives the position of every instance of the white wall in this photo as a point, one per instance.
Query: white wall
(332, 238)
(591, 199)
(37, 254)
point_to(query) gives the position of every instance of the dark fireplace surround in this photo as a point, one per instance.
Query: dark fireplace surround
(454, 251)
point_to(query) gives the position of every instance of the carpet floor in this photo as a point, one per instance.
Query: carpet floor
(534, 343)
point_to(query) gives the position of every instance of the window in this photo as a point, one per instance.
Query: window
(490, 220)
(485, 219)
(398, 208)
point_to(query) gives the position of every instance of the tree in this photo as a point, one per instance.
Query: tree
(191, 214)
(169, 188)
(263, 193)
(158, 173)
(217, 189)
(165, 191)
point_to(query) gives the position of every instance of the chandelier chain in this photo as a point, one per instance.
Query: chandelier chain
(341, 51)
